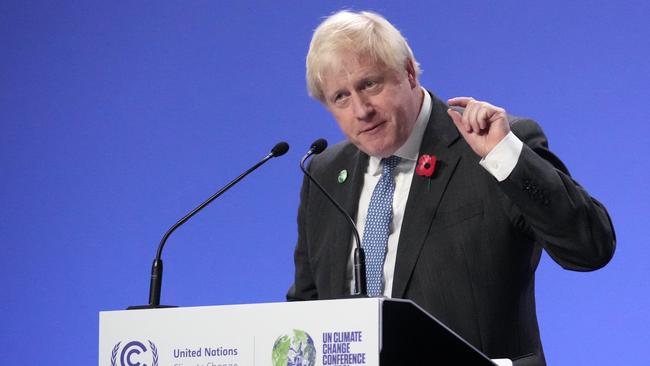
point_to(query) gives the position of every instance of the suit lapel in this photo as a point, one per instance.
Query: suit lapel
(423, 200)
(347, 194)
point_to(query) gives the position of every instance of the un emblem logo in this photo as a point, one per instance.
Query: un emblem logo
(134, 353)
(296, 349)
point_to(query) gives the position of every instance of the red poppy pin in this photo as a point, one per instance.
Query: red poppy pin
(426, 166)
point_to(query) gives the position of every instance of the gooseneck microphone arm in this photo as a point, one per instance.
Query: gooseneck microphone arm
(360, 283)
(157, 267)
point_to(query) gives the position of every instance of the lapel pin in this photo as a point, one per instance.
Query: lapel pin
(343, 175)
(426, 166)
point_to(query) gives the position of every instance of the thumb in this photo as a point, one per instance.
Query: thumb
(457, 118)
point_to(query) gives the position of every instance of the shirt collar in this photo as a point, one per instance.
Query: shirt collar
(411, 148)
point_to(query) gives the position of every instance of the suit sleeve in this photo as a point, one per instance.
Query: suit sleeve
(304, 286)
(573, 227)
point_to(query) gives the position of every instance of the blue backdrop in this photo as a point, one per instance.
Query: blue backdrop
(118, 118)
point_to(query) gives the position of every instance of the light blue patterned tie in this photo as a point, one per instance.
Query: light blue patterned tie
(377, 229)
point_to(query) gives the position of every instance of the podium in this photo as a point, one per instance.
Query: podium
(368, 331)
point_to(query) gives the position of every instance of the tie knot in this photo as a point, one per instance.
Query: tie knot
(389, 164)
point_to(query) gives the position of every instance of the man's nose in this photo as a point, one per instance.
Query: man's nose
(363, 109)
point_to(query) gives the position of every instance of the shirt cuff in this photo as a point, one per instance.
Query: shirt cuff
(502, 361)
(501, 160)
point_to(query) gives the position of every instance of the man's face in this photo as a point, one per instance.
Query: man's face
(374, 106)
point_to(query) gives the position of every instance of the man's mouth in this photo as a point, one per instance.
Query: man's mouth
(373, 129)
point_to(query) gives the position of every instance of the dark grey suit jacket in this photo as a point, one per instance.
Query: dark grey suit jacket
(469, 245)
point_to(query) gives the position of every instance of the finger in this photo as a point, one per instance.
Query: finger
(466, 125)
(496, 113)
(457, 118)
(459, 101)
(482, 117)
(458, 121)
(471, 112)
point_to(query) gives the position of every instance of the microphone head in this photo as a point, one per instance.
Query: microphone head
(318, 146)
(280, 149)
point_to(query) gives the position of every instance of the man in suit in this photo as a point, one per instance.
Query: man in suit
(463, 242)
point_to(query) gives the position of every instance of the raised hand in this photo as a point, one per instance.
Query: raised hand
(482, 125)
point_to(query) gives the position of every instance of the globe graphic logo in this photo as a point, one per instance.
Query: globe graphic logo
(295, 350)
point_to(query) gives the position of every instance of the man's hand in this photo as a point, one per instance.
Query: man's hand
(482, 125)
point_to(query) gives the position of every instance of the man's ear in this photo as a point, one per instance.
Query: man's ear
(410, 73)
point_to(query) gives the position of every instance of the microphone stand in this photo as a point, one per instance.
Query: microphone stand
(360, 282)
(157, 267)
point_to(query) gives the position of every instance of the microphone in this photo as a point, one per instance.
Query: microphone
(157, 268)
(360, 283)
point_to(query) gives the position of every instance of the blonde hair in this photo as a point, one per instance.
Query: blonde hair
(365, 34)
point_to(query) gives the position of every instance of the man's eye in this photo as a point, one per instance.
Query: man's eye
(370, 84)
(338, 98)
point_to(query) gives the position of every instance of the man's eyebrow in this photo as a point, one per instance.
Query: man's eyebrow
(369, 74)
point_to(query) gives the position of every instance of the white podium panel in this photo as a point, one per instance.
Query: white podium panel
(333, 332)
